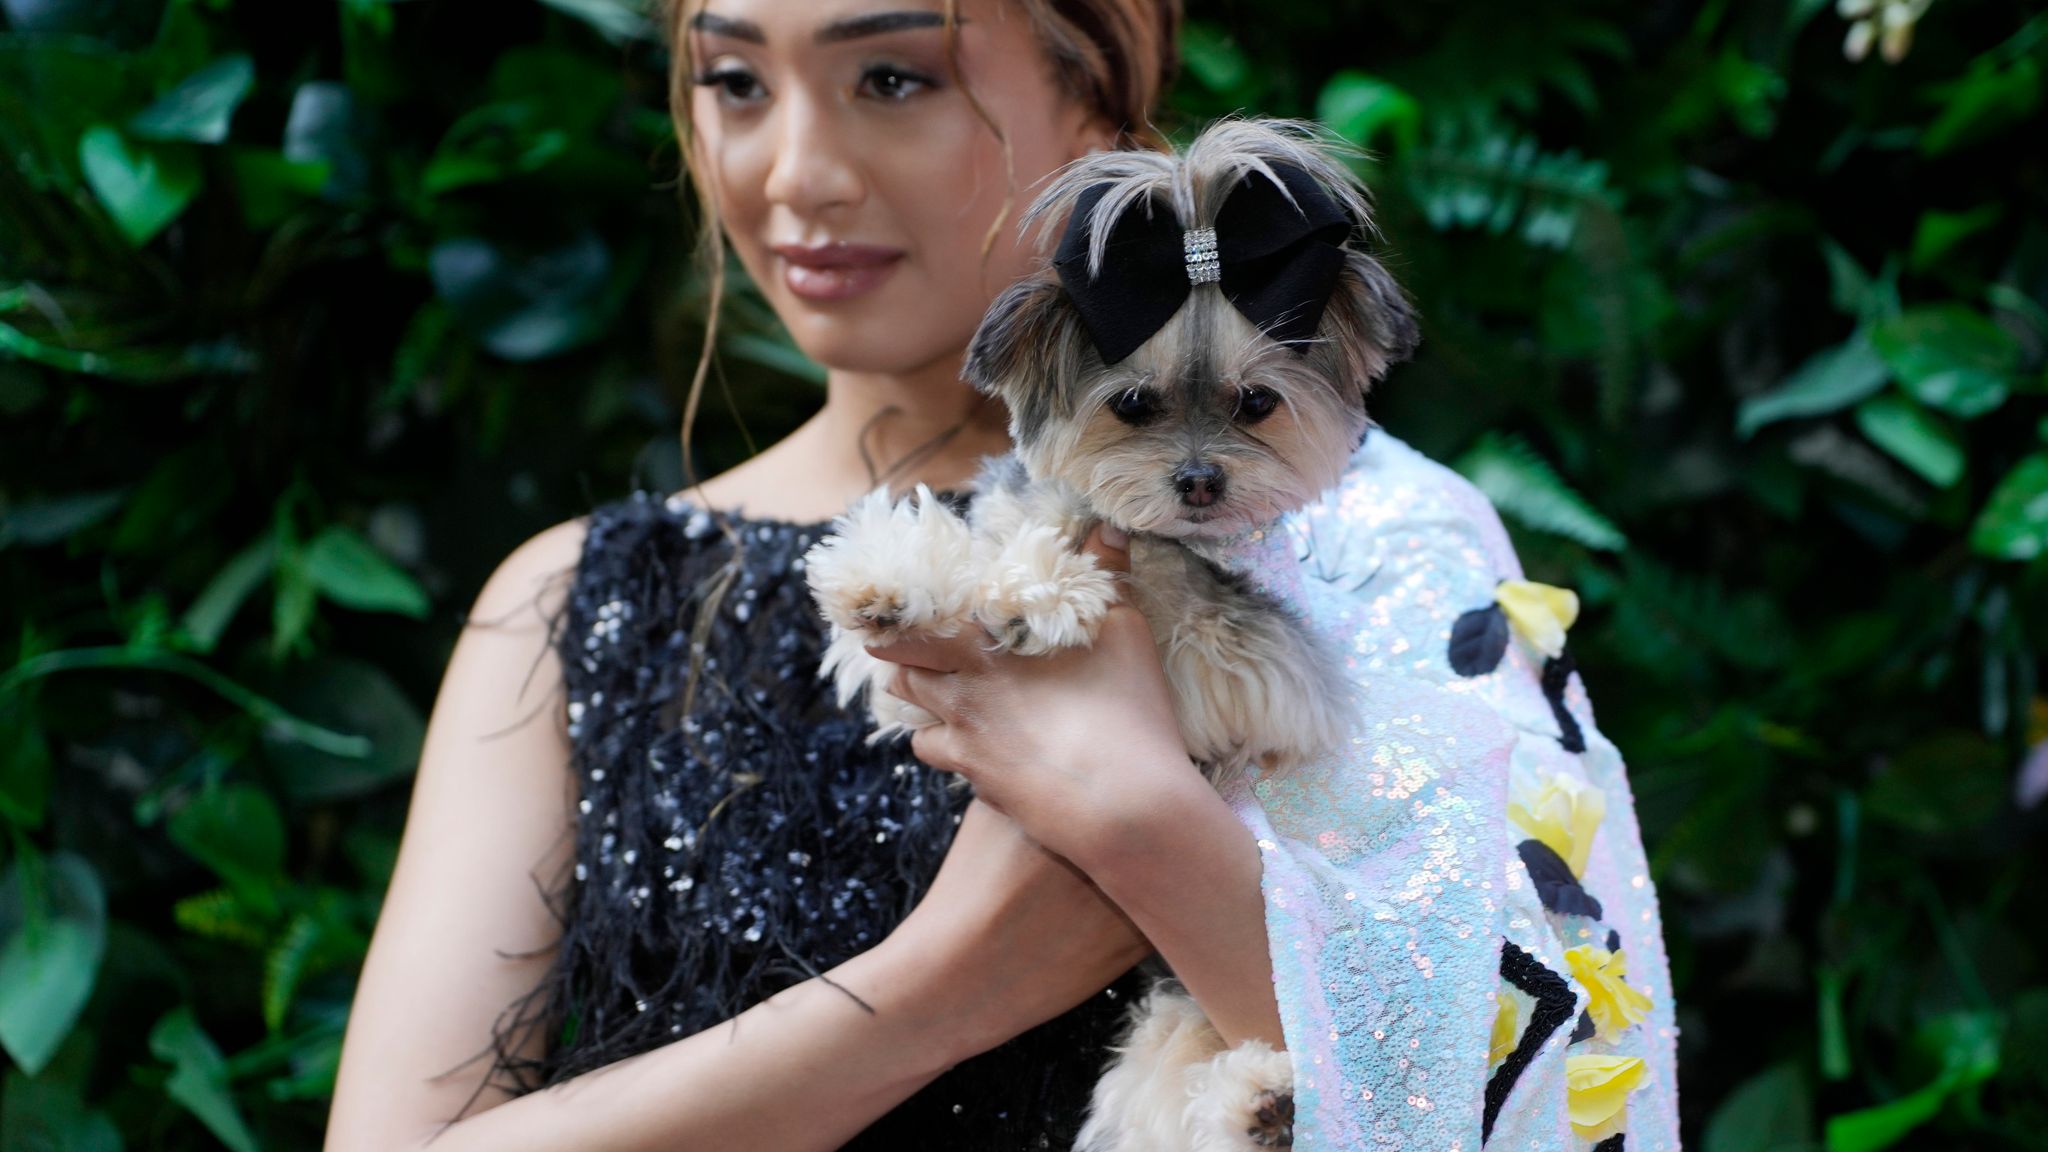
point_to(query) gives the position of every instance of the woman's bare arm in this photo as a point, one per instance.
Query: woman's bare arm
(491, 823)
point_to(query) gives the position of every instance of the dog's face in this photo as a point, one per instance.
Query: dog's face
(1211, 426)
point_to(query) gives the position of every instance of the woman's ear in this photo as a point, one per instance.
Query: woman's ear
(1028, 352)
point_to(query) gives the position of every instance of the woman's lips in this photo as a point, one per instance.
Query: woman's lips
(835, 271)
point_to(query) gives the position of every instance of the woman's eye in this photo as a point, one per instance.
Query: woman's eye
(1256, 403)
(1133, 406)
(735, 85)
(887, 82)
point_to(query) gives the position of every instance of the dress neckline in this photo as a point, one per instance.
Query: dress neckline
(678, 504)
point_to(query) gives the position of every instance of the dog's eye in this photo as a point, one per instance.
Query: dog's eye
(1133, 406)
(1256, 403)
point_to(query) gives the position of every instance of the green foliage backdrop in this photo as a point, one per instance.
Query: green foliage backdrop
(310, 312)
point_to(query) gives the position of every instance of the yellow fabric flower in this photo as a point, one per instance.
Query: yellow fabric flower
(1564, 814)
(1540, 612)
(1614, 1004)
(1507, 1028)
(1596, 1092)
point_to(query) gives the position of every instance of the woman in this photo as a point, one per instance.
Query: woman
(858, 177)
(778, 935)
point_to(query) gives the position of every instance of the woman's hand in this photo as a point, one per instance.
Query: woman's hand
(1074, 745)
(1081, 747)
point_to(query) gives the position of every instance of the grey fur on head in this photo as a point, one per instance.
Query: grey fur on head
(1209, 395)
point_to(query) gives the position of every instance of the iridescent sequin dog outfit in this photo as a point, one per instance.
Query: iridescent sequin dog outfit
(1465, 939)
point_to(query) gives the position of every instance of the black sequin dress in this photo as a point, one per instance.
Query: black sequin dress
(740, 845)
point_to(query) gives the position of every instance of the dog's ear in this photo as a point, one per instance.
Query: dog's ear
(1028, 353)
(1371, 318)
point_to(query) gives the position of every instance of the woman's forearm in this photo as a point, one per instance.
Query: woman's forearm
(1186, 871)
(806, 1069)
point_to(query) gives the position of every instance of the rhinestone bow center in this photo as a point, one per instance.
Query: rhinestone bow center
(1199, 246)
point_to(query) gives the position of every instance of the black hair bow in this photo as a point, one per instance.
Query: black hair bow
(1279, 261)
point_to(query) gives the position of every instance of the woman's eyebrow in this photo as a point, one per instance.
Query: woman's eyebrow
(727, 26)
(878, 23)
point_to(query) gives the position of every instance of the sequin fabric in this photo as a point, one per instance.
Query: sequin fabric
(1398, 904)
(738, 835)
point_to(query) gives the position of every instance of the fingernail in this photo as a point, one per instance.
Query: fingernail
(1115, 537)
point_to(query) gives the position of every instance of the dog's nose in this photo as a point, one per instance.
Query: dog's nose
(1200, 485)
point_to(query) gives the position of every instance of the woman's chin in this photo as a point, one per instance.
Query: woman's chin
(876, 341)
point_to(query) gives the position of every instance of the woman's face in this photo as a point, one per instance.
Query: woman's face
(856, 181)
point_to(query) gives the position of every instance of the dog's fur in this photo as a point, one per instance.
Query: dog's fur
(1251, 684)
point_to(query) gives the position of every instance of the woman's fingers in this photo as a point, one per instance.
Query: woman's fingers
(936, 654)
(1110, 546)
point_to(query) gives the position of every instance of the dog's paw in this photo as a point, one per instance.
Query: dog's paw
(854, 672)
(1040, 595)
(893, 568)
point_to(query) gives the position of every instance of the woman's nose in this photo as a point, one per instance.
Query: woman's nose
(812, 170)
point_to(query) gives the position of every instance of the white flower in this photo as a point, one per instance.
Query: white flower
(1886, 23)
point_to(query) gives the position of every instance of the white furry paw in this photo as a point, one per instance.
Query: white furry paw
(1174, 1086)
(1039, 594)
(852, 671)
(892, 568)
(1241, 1100)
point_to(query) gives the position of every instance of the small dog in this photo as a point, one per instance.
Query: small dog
(1188, 417)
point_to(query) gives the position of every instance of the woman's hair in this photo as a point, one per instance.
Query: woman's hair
(1116, 56)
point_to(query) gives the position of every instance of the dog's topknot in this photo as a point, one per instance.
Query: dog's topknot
(1194, 182)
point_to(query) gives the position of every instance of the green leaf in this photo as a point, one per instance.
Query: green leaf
(1828, 382)
(527, 305)
(353, 696)
(24, 767)
(1523, 485)
(1497, 179)
(615, 20)
(1361, 107)
(1770, 1112)
(1913, 436)
(292, 602)
(324, 128)
(199, 109)
(224, 595)
(1872, 1129)
(53, 917)
(235, 830)
(1939, 232)
(491, 143)
(43, 1114)
(2014, 523)
(1984, 101)
(270, 185)
(1214, 59)
(276, 720)
(1947, 783)
(350, 571)
(1855, 292)
(199, 1078)
(143, 189)
(38, 522)
(1949, 357)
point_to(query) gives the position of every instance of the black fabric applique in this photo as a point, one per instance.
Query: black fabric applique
(1613, 940)
(1611, 1144)
(1555, 885)
(733, 850)
(1479, 639)
(1557, 671)
(1554, 1002)
(1585, 1029)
